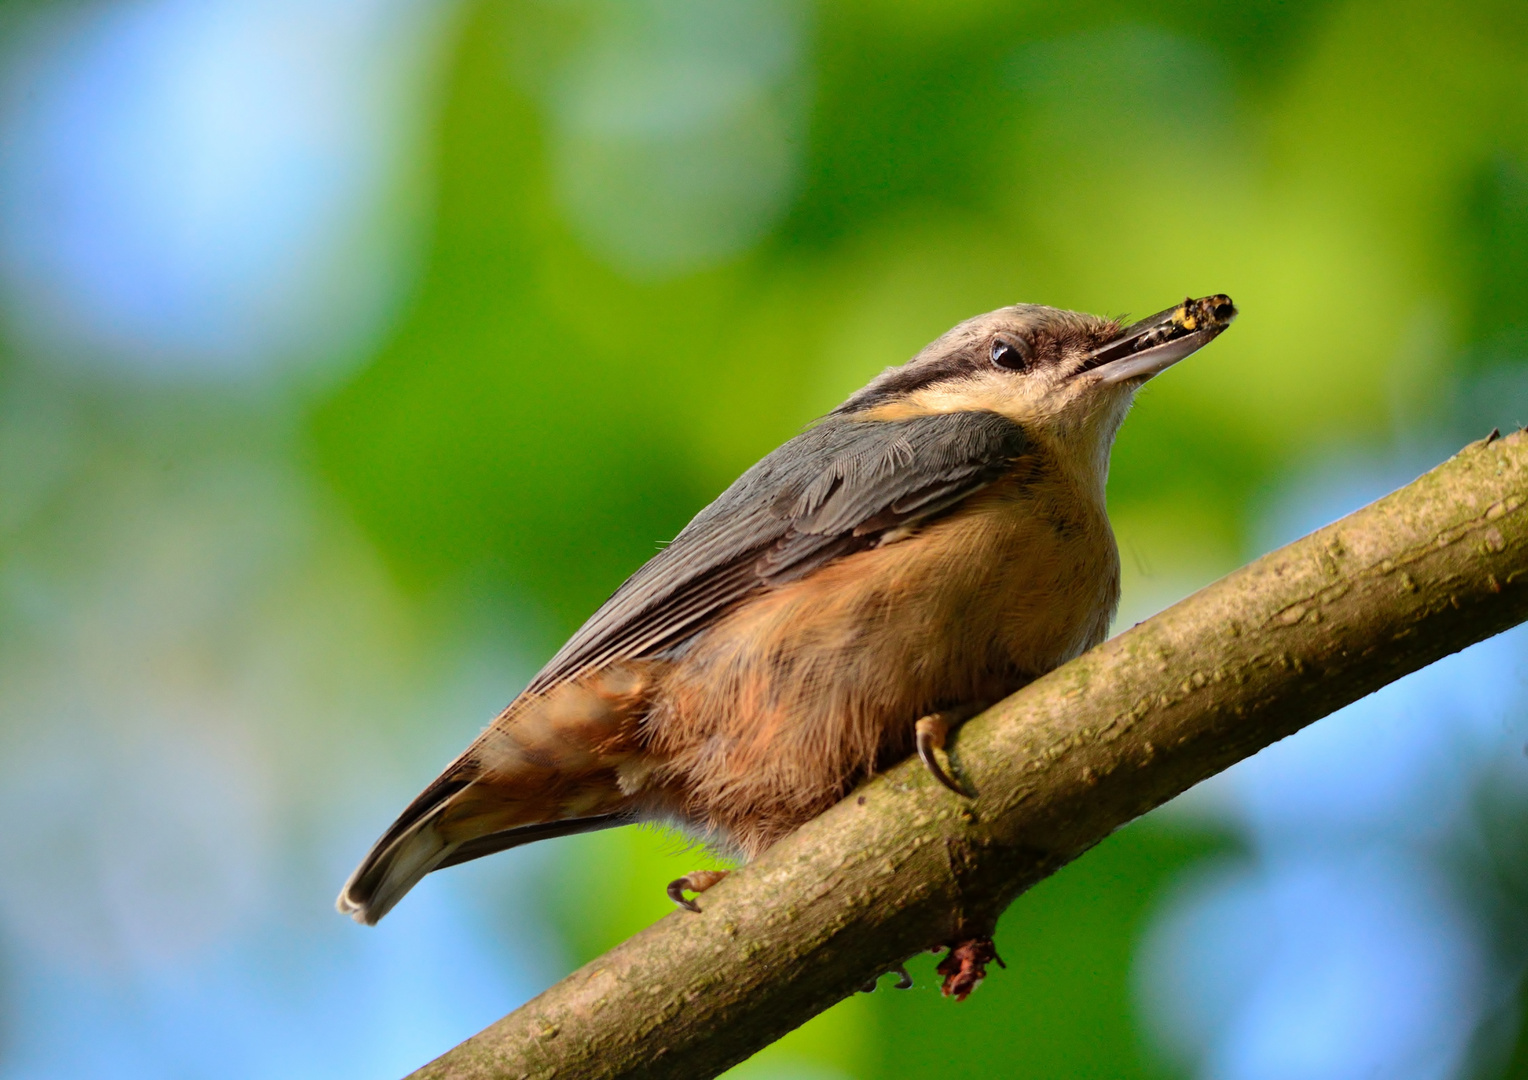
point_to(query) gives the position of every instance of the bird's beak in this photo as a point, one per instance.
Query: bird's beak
(1155, 344)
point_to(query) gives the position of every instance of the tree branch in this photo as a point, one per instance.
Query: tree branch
(903, 864)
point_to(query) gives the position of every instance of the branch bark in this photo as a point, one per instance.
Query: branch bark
(903, 864)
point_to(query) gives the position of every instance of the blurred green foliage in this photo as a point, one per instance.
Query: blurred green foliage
(1354, 174)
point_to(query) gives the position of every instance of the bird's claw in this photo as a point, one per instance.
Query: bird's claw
(965, 966)
(904, 982)
(697, 882)
(932, 731)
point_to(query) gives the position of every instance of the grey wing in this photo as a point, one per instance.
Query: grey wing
(833, 490)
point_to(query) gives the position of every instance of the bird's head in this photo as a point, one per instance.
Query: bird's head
(1065, 376)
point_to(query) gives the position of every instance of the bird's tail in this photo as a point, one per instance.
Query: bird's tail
(550, 766)
(421, 841)
(409, 850)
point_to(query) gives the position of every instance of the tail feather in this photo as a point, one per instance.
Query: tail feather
(406, 852)
(453, 821)
(526, 834)
(391, 870)
(403, 857)
(550, 765)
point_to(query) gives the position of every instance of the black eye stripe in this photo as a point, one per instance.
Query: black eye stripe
(1016, 351)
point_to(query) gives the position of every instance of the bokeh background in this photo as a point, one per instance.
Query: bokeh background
(351, 351)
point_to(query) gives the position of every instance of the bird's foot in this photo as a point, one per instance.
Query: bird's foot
(932, 731)
(696, 882)
(965, 966)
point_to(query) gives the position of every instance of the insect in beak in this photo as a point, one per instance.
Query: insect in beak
(1154, 344)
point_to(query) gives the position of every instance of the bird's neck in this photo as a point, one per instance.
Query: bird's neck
(1080, 446)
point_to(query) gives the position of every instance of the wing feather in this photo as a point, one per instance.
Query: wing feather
(833, 490)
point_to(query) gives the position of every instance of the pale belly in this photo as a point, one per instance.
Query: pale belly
(783, 705)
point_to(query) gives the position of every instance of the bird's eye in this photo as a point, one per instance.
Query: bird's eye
(1014, 354)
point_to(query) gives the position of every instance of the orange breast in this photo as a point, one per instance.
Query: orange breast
(791, 699)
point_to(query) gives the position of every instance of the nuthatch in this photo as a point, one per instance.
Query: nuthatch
(936, 542)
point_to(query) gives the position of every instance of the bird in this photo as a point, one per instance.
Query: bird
(927, 548)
